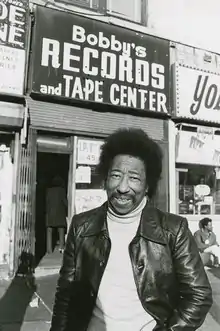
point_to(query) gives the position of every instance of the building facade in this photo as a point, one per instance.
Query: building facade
(13, 115)
(196, 81)
(87, 78)
(192, 23)
(94, 66)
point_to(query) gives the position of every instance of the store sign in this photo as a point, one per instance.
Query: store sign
(197, 94)
(196, 148)
(13, 28)
(80, 58)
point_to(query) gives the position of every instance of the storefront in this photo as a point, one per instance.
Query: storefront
(197, 144)
(87, 80)
(13, 115)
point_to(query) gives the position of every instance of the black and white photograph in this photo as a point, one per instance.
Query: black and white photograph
(109, 165)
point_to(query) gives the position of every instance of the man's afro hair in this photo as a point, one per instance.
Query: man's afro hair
(134, 142)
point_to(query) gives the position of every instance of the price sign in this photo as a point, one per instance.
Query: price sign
(88, 151)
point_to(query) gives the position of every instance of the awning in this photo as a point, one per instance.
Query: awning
(68, 118)
(11, 114)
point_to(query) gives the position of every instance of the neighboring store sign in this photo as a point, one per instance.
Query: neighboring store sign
(13, 27)
(196, 148)
(197, 94)
(80, 58)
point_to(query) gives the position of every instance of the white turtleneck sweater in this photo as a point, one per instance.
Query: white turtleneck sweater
(118, 307)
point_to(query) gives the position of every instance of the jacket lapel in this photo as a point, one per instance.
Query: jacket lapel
(96, 222)
(150, 225)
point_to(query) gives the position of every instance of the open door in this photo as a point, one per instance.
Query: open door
(25, 200)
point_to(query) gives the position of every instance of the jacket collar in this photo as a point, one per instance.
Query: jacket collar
(149, 227)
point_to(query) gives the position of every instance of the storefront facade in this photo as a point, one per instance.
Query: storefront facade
(13, 115)
(87, 80)
(197, 119)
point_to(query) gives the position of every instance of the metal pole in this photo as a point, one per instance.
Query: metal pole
(75, 141)
(12, 243)
(172, 166)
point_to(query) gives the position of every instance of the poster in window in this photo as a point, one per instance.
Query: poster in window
(88, 151)
(89, 199)
(13, 44)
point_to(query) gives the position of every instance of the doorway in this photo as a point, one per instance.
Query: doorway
(49, 165)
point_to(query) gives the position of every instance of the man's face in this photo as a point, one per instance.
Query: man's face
(209, 226)
(126, 183)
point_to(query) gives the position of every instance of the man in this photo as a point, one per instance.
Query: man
(206, 239)
(56, 213)
(128, 266)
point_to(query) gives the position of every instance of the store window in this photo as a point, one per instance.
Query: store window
(92, 4)
(90, 191)
(198, 189)
(133, 10)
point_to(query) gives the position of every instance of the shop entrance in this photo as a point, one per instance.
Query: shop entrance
(49, 166)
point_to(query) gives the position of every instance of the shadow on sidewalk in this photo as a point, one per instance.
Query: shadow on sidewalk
(16, 298)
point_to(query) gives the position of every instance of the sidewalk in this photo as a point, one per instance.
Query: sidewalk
(16, 313)
(27, 326)
(25, 306)
(212, 322)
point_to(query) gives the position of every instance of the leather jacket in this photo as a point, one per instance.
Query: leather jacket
(170, 278)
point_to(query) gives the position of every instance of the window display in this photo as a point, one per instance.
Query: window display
(198, 189)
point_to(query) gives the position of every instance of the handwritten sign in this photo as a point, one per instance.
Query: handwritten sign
(198, 149)
(88, 151)
(89, 199)
(83, 175)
